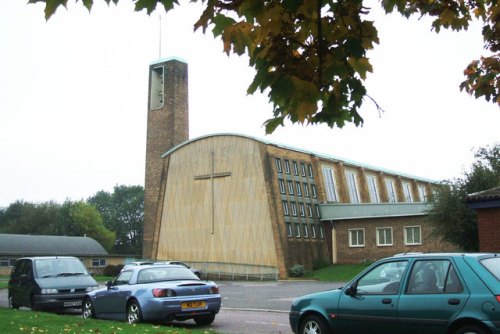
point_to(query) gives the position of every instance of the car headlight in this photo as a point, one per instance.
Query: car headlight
(48, 291)
(91, 288)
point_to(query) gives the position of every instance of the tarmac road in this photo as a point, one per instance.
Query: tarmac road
(250, 307)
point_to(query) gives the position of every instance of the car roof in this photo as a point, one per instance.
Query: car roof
(147, 266)
(432, 255)
(46, 257)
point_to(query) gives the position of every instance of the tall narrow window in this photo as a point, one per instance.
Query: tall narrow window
(313, 230)
(313, 190)
(289, 229)
(306, 232)
(298, 189)
(309, 210)
(353, 187)
(156, 93)
(306, 190)
(302, 210)
(295, 168)
(285, 208)
(282, 186)
(318, 212)
(356, 237)
(310, 168)
(422, 193)
(294, 209)
(331, 190)
(372, 188)
(303, 169)
(290, 187)
(287, 166)
(297, 230)
(278, 165)
(407, 192)
(391, 191)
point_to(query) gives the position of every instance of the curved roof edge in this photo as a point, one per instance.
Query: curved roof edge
(163, 60)
(296, 149)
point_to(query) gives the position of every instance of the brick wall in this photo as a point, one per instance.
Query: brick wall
(488, 221)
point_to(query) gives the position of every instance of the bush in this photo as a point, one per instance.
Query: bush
(112, 270)
(320, 263)
(297, 270)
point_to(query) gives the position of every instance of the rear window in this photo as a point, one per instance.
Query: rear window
(493, 266)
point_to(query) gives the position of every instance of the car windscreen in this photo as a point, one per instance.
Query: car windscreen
(493, 266)
(59, 267)
(159, 274)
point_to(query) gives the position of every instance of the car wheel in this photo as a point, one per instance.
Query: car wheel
(470, 329)
(204, 320)
(12, 304)
(134, 313)
(88, 309)
(314, 324)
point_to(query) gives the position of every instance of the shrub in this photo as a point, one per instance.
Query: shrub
(112, 270)
(320, 263)
(297, 270)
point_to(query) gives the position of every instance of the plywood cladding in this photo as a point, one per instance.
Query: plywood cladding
(216, 206)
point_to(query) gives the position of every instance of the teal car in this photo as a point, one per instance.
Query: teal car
(410, 294)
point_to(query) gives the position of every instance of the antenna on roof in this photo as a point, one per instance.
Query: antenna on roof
(159, 42)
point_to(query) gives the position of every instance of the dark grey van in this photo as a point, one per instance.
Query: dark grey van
(49, 282)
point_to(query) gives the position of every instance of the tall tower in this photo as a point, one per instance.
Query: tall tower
(168, 126)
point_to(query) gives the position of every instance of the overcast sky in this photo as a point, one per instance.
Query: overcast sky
(73, 98)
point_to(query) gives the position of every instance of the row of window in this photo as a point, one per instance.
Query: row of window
(304, 209)
(371, 180)
(294, 168)
(297, 188)
(303, 230)
(384, 236)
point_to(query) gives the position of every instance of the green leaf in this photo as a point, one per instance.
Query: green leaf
(221, 23)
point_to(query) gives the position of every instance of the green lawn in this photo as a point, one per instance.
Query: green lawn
(20, 321)
(337, 272)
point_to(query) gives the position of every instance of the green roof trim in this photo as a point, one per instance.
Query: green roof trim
(320, 155)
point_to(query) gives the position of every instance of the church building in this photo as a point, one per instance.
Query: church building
(230, 204)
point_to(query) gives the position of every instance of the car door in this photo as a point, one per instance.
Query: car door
(434, 295)
(369, 304)
(110, 303)
(22, 283)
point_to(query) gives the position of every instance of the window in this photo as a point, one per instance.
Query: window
(290, 187)
(98, 262)
(372, 189)
(282, 186)
(306, 232)
(434, 276)
(357, 237)
(422, 193)
(313, 190)
(317, 211)
(303, 169)
(321, 235)
(313, 230)
(306, 190)
(287, 166)
(278, 165)
(289, 229)
(285, 208)
(298, 188)
(353, 187)
(384, 236)
(5, 262)
(295, 168)
(407, 192)
(391, 191)
(302, 210)
(294, 209)
(310, 169)
(384, 279)
(413, 235)
(331, 190)
(309, 210)
(297, 230)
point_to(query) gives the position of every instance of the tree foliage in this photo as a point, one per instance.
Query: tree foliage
(123, 213)
(310, 55)
(50, 218)
(454, 220)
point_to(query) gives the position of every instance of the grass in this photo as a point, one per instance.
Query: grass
(28, 322)
(337, 272)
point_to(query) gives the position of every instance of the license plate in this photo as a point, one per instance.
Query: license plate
(195, 304)
(70, 304)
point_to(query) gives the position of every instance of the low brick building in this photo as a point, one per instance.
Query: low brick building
(487, 205)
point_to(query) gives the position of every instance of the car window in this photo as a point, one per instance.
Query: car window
(123, 278)
(493, 266)
(157, 274)
(433, 276)
(382, 279)
(59, 267)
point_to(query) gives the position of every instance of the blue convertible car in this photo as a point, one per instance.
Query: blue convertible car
(155, 293)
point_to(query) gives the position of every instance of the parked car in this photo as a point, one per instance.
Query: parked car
(52, 282)
(197, 272)
(155, 292)
(431, 293)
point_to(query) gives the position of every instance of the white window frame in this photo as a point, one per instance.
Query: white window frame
(293, 206)
(303, 169)
(302, 210)
(286, 210)
(306, 190)
(357, 242)
(371, 180)
(422, 192)
(407, 192)
(278, 165)
(295, 168)
(101, 262)
(313, 229)
(330, 186)
(391, 191)
(352, 184)
(407, 229)
(387, 232)
(310, 169)
(290, 187)
(309, 210)
(313, 191)
(289, 229)
(306, 232)
(297, 230)
(282, 186)
(287, 166)
(298, 188)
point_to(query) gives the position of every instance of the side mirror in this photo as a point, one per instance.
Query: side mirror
(109, 284)
(352, 289)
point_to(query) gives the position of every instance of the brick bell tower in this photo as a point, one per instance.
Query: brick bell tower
(168, 126)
